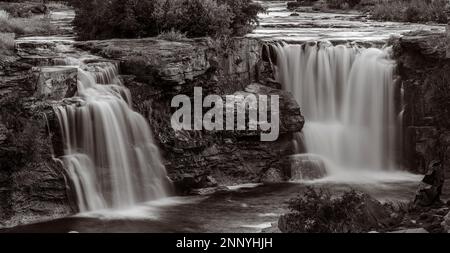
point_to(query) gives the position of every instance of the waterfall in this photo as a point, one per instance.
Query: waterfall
(110, 154)
(347, 95)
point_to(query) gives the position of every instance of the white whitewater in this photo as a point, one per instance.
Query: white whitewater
(347, 96)
(110, 153)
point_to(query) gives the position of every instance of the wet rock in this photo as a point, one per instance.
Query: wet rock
(209, 190)
(411, 231)
(56, 83)
(306, 167)
(272, 229)
(273, 175)
(229, 156)
(446, 223)
(39, 9)
(430, 189)
(195, 183)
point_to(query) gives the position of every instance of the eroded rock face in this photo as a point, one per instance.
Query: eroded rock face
(32, 184)
(180, 62)
(425, 74)
(430, 190)
(155, 71)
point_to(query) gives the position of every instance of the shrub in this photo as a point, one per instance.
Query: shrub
(411, 11)
(7, 43)
(144, 18)
(172, 35)
(319, 212)
(32, 25)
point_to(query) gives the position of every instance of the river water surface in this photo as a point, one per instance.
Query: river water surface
(245, 208)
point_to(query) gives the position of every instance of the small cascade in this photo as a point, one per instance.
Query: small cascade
(347, 96)
(110, 153)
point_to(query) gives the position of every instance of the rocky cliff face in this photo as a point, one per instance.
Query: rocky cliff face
(34, 186)
(155, 71)
(425, 74)
(32, 183)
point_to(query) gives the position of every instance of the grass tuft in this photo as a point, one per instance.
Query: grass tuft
(172, 35)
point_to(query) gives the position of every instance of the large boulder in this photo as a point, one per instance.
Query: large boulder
(430, 189)
(306, 167)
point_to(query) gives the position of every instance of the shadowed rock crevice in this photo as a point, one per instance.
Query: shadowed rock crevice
(424, 71)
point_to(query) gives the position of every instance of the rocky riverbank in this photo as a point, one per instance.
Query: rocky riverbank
(155, 71)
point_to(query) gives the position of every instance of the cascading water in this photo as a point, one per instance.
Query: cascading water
(347, 96)
(110, 154)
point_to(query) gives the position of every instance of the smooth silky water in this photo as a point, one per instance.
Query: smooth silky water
(348, 97)
(346, 94)
(110, 152)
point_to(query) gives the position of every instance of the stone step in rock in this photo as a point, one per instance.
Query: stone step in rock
(42, 61)
(411, 231)
(56, 83)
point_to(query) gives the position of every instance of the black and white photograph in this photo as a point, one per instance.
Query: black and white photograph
(257, 118)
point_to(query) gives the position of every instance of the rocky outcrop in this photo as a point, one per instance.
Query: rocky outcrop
(155, 71)
(424, 71)
(32, 184)
(235, 61)
(430, 189)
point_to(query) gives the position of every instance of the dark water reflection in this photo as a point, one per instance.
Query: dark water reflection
(242, 210)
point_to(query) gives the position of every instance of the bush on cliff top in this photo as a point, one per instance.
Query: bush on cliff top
(411, 11)
(21, 26)
(146, 18)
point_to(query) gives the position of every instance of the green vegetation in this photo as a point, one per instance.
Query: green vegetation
(148, 18)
